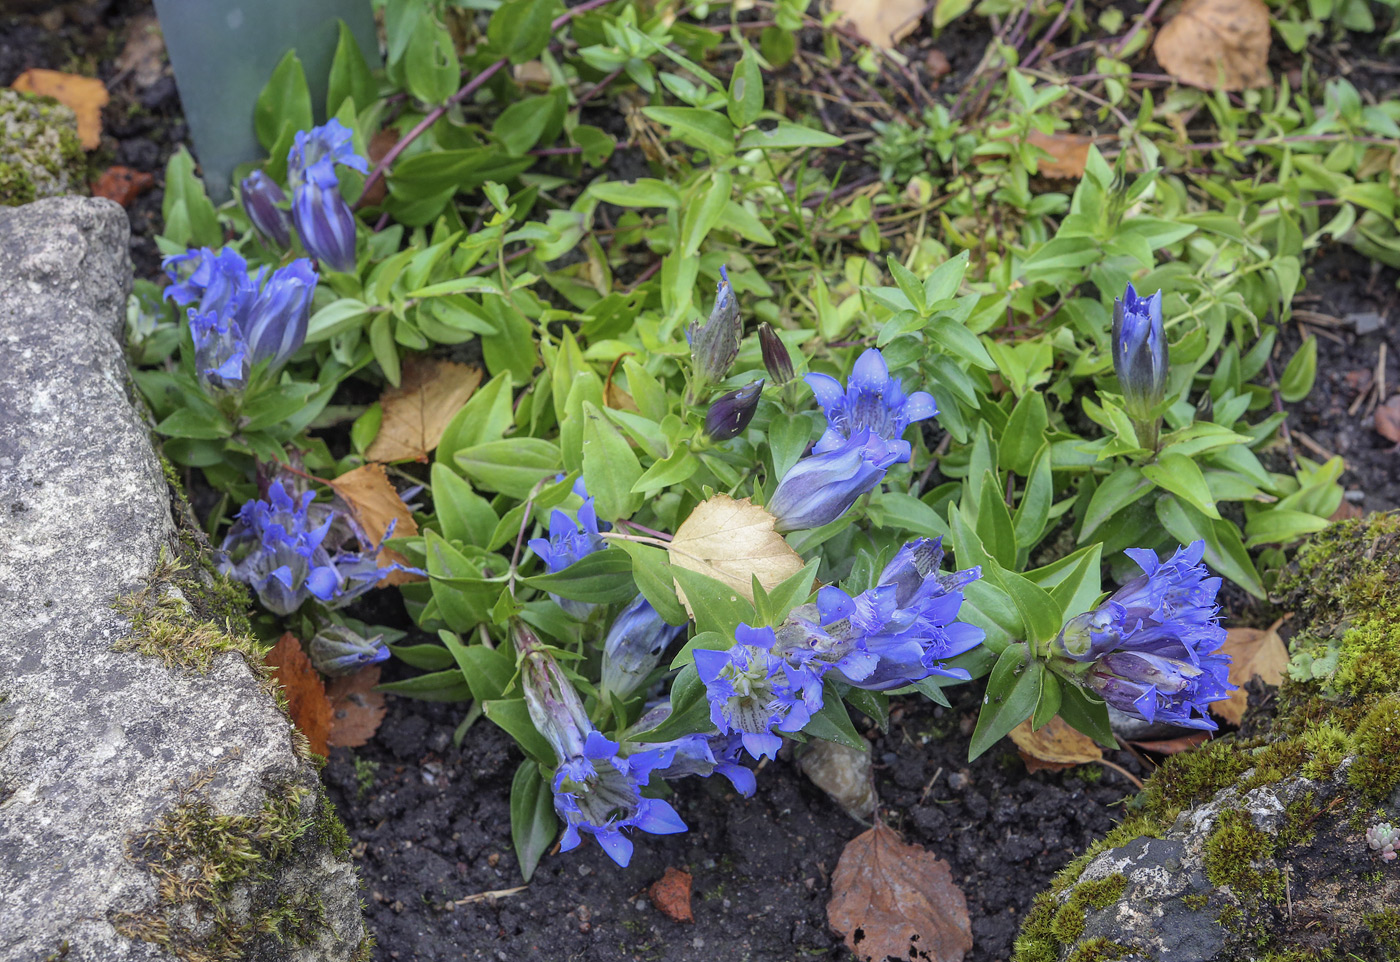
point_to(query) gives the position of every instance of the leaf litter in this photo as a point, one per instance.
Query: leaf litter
(733, 542)
(374, 504)
(417, 412)
(1253, 652)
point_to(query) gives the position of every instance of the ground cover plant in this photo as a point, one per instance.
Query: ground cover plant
(674, 456)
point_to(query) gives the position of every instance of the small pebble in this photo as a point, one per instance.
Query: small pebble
(641, 905)
(697, 943)
(957, 781)
(584, 870)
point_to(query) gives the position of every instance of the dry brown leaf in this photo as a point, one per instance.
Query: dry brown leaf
(889, 898)
(937, 63)
(671, 894)
(1054, 746)
(1252, 651)
(618, 399)
(122, 184)
(1217, 43)
(1068, 154)
(85, 96)
(417, 411)
(1174, 746)
(356, 708)
(143, 55)
(374, 503)
(882, 22)
(731, 542)
(1346, 511)
(1388, 420)
(306, 693)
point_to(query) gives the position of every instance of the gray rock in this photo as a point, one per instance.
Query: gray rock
(154, 802)
(40, 155)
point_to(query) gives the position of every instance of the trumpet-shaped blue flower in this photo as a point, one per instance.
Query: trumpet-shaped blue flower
(634, 646)
(1140, 351)
(265, 203)
(323, 219)
(273, 549)
(873, 402)
(820, 488)
(1152, 650)
(338, 650)
(896, 633)
(706, 755)
(568, 541)
(753, 692)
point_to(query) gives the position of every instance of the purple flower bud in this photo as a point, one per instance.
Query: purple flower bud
(265, 205)
(819, 489)
(731, 413)
(1140, 352)
(634, 646)
(715, 345)
(338, 650)
(775, 355)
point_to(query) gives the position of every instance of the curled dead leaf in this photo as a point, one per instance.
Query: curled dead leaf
(1054, 746)
(1388, 420)
(671, 894)
(373, 503)
(1068, 154)
(306, 693)
(1252, 651)
(893, 899)
(1174, 746)
(883, 23)
(85, 96)
(733, 542)
(1217, 43)
(122, 184)
(416, 412)
(356, 708)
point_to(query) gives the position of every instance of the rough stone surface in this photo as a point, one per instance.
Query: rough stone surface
(97, 746)
(40, 155)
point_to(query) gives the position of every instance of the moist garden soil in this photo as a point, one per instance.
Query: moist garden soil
(431, 822)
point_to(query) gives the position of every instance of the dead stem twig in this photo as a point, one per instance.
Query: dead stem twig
(1137, 782)
(490, 896)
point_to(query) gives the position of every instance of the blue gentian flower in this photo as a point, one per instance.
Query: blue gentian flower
(265, 204)
(896, 633)
(634, 646)
(753, 692)
(820, 488)
(276, 320)
(1140, 352)
(220, 352)
(338, 650)
(871, 402)
(323, 219)
(569, 541)
(1152, 650)
(706, 755)
(273, 548)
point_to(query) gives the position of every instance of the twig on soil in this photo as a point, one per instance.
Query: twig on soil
(1137, 782)
(1055, 27)
(929, 787)
(490, 896)
(1379, 380)
(1313, 446)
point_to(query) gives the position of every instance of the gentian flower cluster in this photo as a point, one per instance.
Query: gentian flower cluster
(862, 440)
(634, 646)
(239, 321)
(1140, 358)
(273, 548)
(568, 541)
(597, 789)
(1152, 650)
(753, 692)
(702, 755)
(324, 221)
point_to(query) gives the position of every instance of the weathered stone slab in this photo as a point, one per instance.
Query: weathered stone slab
(154, 802)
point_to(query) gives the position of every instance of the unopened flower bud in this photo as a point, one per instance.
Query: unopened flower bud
(550, 697)
(634, 646)
(775, 355)
(732, 412)
(337, 650)
(1140, 352)
(715, 345)
(265, 204)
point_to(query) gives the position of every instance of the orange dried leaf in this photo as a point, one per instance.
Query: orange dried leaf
(671, 894)
(893, 899)
(356, 708)
(1068, 154)
(374, 503)
(122, 184)
(1217, 43)
(1252, 651)
(85, 96)
(1054, 746)
(883, 23)
(418, 410)
(306, 693)
(1388, 420)
(1174, 746)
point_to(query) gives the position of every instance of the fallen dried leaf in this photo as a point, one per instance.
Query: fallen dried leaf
(356, 708)
(671, 894)
(85, 96)
(1252, 651)
(733, 541)
(1388, 420)
(378, 147)
(417, 411)
(374, 503)
(893, 899)
(1217, 43)
(1174, 746)
(1068, 154)
(143, 56)
(306, 693)
(883, 23)
(937, 63)
(1346, 511)
(618, 399)
(122, 184)
(1054, 746)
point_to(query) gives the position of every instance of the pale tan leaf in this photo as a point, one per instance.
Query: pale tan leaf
(374, 503)
(1217, 43)
(306, 693)
(732, 542)
(1068, 154)
(85, 96)
(1252, 651)
(417, 411)
(1054, 746)
(1388, 420)
(883, 23)
(356, 708)
(893, 899)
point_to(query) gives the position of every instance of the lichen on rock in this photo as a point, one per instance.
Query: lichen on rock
(1254, 846)
(40, 155)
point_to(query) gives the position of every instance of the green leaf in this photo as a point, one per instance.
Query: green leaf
(958, 341)
(651, 570)
(1013, 689)
(642, 192)
(788, 136)
(1087, 713)
(700, 218)
(944, 282)
(672, 470)
(1122, 488)
(533, 823)
(446, 685)
(187, 423)
(1033, 510)
(1298, 376)
(198, 222)
(337, 317)
(1039, 611)
(426, 657)
(1049, 701)
(512, 466)
(908, 284)
(1024, 434)
(717, 606)
(746, 90)
(514, 718)
(895, 510)
(1181, 476)
(488, 671)
(1281, 526)
(464, 515)
(773, 607)
(604, 577)
(520, 29)
(350, 76)
(486, 417)
(610, 468)
(994, 526)
(284, 103)
(946, 11)
(833, 722)
(707, 130)
(690, 710)
(1077, 589)
(1224, 550)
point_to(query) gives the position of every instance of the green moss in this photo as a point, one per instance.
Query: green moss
(1232, 852)
(1299, 816)
(16, 185)
(40, 155)
(1196, 901)
(1376, 770)
(1326, 745)
(1099, 949)
(1385, 930)
(1369, 661)
(1192, 777)
(332, 830)
(1068, 924)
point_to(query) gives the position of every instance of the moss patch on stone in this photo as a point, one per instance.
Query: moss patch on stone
(40, 155)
